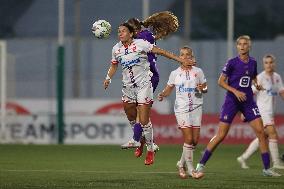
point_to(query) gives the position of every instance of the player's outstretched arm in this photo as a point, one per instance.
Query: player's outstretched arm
(222, 81)
(166, 92)
(169, 55)
(111, 71)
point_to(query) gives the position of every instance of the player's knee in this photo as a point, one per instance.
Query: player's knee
(188, 140)
(144, 121)
(273, 136)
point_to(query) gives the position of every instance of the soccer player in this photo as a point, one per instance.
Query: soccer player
(272, 85)
(137, 89)
(237, 77)
(190, 84)
(160, 31)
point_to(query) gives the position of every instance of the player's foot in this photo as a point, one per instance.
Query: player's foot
(270, 173)
(139, 151)
(242, 162)
(181, 170)
(149, 158)
(155, 147)
(278, 165)
(131, 144)
(199, 172)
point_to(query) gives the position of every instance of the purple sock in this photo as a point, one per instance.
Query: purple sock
(265, 160)
(207, 154)
(137, 130)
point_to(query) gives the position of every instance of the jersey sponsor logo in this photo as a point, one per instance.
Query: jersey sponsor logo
(183, 89)
(244, 81)
(271, 92)
(129, 63)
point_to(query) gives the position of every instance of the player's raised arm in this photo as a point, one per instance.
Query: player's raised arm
(169, 55)
(166, 92)
(222, 81)
(111, 71)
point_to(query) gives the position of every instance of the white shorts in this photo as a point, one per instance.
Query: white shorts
(189, 119)
(140, 95)
(267, 119)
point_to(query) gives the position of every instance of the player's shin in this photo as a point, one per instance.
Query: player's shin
(132, 123)
(148, 134)
(251, 149)
(188, 157)
(137, 132)
(273, 148)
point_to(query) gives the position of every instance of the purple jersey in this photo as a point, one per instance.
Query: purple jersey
(152, 58)
(240, 76)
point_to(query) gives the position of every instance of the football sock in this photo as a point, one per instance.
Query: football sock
(137, 132)
(265, 160)
(148, 134)
(188, 156)
(207, 154)
(182, 160)
(273, 148)
(253, 146)
(132, 123)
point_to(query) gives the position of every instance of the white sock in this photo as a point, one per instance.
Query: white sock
(188, 156)
(182, 159)
(253, 146)
(148, 134)
(273, 148)
(132, 123)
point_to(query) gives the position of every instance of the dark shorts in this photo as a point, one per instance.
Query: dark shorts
(232, 106)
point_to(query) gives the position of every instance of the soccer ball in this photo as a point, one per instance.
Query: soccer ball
(101, 29)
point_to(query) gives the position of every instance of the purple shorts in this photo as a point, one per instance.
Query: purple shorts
(232, 106)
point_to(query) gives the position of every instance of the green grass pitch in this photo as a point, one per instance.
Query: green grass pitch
(107, 166)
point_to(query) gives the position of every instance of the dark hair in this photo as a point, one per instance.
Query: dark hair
(135, 23)
(130, 28)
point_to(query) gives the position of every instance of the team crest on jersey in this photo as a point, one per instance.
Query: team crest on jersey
(225, 117)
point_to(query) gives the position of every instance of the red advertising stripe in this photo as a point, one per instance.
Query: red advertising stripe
(166, 131)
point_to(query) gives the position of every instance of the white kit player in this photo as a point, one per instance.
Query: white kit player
(137, 90)
(190, 83)
(272, 86)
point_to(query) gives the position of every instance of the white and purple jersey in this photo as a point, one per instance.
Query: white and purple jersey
(134, 61)
(186, 82)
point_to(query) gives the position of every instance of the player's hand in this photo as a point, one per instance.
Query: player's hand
(188, 62)
(160, 97)
(259, 87)
(240, 95)
(106, 83)
(199, 87)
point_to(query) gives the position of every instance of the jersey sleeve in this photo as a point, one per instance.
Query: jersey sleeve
(201, 77)
(280, 85)
(227, 69)
(171, 81)
(113, 57)
(145, 46)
